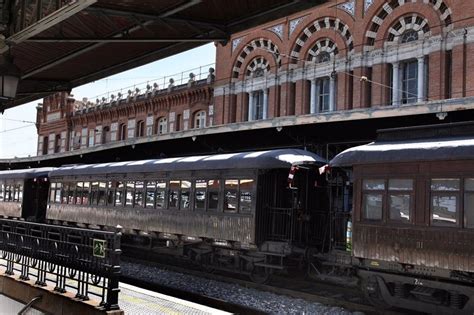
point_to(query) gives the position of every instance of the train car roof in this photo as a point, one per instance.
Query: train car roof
(282, 158)
(25, 173)
(454, 148)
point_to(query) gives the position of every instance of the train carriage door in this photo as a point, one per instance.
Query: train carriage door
(35, 198)
(310, 208)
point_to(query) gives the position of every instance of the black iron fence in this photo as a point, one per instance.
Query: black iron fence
(85, 262)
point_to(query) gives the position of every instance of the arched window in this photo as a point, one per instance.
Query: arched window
(409, 36)
(122, 132)
(140, 128)
(323, 56)
(45, 145)
(259, 73)
(161, 126)
(57, 144)
(105, 135)
(200, 119)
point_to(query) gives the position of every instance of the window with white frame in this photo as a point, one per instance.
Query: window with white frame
(200, 119)
(140, 131)
(258, 105)
(123, 131)
(409, 73)
(323, 94)
(161, 126)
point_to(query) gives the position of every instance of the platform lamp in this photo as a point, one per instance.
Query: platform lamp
(9, 78)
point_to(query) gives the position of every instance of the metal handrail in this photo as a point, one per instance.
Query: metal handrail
(27, 307)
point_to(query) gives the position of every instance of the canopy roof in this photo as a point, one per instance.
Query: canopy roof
(26, 173)
(283, 158)
(59, 45)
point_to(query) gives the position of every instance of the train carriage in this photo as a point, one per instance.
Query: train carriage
(235, 208)
(413, 229)
(23, 193)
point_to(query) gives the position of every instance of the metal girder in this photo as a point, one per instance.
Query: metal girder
(80, 51)
(126, 40)
(48, 21)
(123, 13)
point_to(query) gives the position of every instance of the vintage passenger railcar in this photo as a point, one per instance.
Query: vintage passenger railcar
(234, 209)
(413, 229)
(24, 193)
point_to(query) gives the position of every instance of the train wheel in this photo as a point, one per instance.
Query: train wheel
(373, 295)
(205, 262)
(260, 274)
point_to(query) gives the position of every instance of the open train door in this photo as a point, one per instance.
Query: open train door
(35, 199)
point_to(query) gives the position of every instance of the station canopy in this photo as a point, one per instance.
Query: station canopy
(60, 44)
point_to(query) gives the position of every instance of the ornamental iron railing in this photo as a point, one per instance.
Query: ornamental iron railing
(85, 262)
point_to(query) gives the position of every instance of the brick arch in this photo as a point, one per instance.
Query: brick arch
(259, 62)
(316, 26)
(264, 44)
(413, 22)
(386, 8)
(322, 45)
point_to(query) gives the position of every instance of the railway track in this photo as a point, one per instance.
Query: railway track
(297, 287)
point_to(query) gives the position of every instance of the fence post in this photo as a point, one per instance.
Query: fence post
(114, 271)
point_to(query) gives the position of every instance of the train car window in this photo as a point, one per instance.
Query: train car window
(111, 193)
(213, 188)
(94, 196)
(86, 193)
(78, 195)
(2, 191)
(150, 194)
(8, 192)
(52, 192)
(70, 193)
(173, 194)
(102, 193)
(139, 186)
(57, 198)
(400, 199)
(64, 193)
(129, 191)
(445, 201)
(160, 194)
(119, 193)
(200, 194)
(246, 197)
(372, 202)
(185, 194)
(231, 188)
(469, 203)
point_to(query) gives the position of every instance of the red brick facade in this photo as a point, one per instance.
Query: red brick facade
(357, 57)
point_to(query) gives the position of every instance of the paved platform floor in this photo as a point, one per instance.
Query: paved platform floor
(133, 300)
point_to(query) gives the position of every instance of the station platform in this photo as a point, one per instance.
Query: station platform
(134, 300)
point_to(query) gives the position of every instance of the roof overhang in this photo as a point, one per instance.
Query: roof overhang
(59, 48)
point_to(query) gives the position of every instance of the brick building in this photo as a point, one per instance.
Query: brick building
(341, 61)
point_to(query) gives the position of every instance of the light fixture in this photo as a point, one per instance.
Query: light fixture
(9, 78)
(279, 128)
(441, 115)
(194, 138)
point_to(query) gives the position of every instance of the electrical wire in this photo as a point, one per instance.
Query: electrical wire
(17, 120)
(13, 129)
